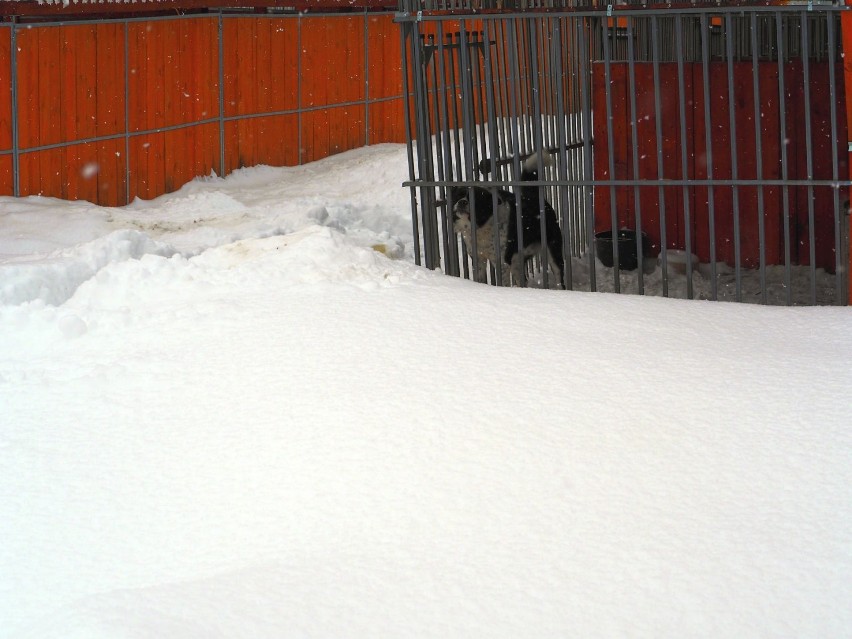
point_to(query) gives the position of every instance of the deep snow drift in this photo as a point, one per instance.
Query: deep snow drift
(224, 414)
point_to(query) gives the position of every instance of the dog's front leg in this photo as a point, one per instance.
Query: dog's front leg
(519, 271)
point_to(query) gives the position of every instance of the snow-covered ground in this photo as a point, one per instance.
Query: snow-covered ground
(240, 410)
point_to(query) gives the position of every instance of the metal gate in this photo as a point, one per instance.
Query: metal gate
(697, 152)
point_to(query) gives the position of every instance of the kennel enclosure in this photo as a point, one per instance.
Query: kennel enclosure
(716, 135)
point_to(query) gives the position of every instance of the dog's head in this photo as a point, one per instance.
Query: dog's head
(480, 201)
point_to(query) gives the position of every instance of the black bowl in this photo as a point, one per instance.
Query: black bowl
(628, 259)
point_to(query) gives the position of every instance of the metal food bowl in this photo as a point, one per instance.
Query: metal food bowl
(628, 259)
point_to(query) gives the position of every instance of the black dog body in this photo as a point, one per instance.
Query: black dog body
(515, 254)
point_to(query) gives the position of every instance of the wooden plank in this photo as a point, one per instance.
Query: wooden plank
(209, 92)
(154, 72)
(49, 85)
(7, 184)
(28, 99)
(138, 89)
(387, 122)
(5, 98)
(354, 118)
(29, 174)
(138, 184)
(109, 83)
(314, 65)
(86, 82)
(157, 165)
(172, 78)
(232, 160)
(284, 62)
(245, 96)
(231, 48)
(68, 115)
(385, 62)
(111, 173)
(263, 65)
(313, 124)
(49, 114)
(332, 74)
(212, 157)
(329, 131)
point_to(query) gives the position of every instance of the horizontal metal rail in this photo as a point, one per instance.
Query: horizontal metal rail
(614, 11)
(649, 182)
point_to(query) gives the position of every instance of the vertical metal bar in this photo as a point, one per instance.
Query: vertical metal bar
(478, 95)
(16, 150)
(758, 147)
(455, 87)
(809, 152)
(655, 39)
(610, 149)
(499, 86)
(684, 165)
(634, 141)
(492, 141)
(515, 100)
(424, 155)
(538, 140)
(468, 119)
(708, 143)
(446, 232)
(222, 170)
(579, 160)
(446, 169)
(562, 162)
(414, 46)
(586, 118)
(729, 37)
(126, 112)
(785, 192)
(522, 68)
(840, 288)
(366, 80)
(405, 33)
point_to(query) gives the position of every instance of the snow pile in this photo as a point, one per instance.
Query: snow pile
(226, 414)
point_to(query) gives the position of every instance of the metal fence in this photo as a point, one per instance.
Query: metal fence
(697, 153)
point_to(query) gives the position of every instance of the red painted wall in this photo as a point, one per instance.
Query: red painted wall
(721, 137)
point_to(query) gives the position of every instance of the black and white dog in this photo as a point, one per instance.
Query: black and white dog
(513, 253)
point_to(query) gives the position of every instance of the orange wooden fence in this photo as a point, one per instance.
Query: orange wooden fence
(111, 110)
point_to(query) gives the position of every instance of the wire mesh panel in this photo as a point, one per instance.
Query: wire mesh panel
(696, 153)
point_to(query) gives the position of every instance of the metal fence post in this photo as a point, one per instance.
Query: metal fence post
(222, 170)
(405, 34)
(126, 112)
(16, 154)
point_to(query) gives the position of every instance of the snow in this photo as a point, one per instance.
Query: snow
(240, 410)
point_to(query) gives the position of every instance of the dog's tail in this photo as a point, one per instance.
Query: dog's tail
(529, 169)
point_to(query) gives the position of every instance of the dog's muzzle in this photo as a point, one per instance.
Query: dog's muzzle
(461, 208)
